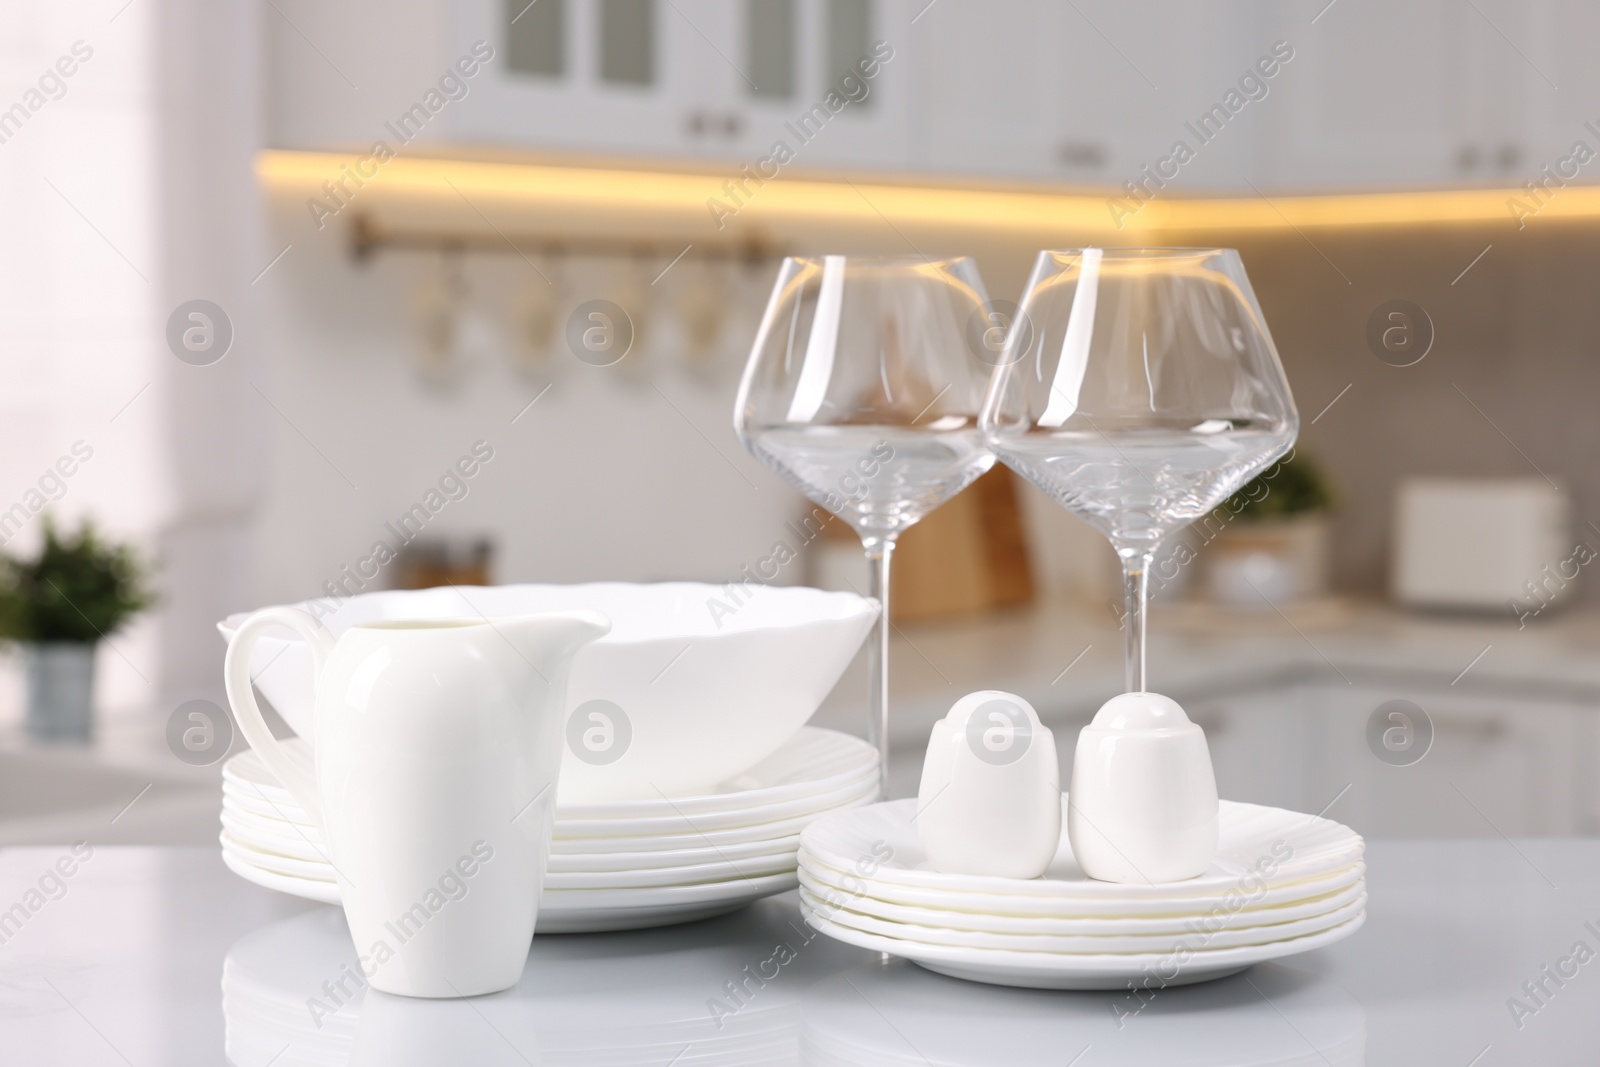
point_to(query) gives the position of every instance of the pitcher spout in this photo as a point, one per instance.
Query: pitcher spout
(549, 641)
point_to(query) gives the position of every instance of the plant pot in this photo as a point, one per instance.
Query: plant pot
(1268, 562)
(60, 690)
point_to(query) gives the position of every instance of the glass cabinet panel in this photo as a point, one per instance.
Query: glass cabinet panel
(627, 41)
(849, 40)
(536, 36)
(770, 46)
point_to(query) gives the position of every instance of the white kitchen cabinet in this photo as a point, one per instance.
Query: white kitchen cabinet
(1168, 75)
(981, 78)
(1501, 762)
(723, 80)
(1429, 94)
(574, 75)
(1263, 744)
(1377, 93)
(1086, 93)
(1434, 93)
(1501, 138)
(874, 135)
(1561, 87)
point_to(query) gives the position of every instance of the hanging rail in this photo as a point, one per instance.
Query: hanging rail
(368, 237)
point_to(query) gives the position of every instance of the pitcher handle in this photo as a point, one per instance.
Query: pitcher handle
(236, 677)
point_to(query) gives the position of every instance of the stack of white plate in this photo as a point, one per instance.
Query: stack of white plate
(1282, 883)
(613, 866)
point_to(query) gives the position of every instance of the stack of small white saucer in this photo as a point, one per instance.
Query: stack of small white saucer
(1281, 883)
(613, 866)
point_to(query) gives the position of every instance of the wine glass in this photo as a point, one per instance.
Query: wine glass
(1139, 388)
(863, 391)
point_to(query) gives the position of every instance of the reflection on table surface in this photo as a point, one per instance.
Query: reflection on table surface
(899, 1013)
(755, 987)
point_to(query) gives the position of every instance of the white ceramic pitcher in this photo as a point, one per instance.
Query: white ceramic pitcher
(437, 746)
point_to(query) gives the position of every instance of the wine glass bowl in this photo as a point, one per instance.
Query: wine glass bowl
(1138, 483)
(1143, 391)
(881, 479)
(859, 366)
(862, 392)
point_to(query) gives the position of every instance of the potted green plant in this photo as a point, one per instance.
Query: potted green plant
(1270, 539)
(58, 605)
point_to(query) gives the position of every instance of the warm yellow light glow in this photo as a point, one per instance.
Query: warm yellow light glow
(1025, 210)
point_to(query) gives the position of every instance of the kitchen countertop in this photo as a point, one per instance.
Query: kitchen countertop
(1067, 659)
(126, 965)
(125, 788)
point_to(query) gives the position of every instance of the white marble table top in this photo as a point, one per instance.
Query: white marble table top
(1476, 952)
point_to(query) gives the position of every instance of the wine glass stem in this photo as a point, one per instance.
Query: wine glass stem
(1136, 588)
(878, 553)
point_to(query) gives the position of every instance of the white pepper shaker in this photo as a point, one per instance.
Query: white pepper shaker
(990, 799)
(1142, 807)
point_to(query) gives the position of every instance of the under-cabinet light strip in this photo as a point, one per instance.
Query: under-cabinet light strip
(874, 201)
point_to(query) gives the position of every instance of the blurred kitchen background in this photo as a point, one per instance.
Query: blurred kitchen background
(398, 215)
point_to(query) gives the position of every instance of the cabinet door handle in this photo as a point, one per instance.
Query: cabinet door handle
(1081, 154)
(1481, 727)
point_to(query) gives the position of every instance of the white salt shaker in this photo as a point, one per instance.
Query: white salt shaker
(1143, 804)
(990, 799)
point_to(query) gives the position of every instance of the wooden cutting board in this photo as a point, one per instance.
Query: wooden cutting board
(968, 556)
